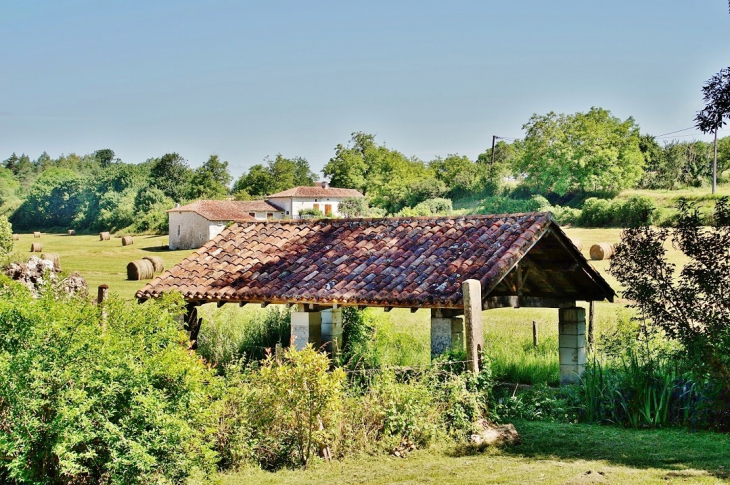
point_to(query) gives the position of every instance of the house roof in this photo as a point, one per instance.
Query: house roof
(318, 191)
(402, 262)
(227, 210)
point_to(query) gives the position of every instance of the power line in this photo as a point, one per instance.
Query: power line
(672, 132)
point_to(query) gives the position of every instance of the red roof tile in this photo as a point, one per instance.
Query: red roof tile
(317, 192)
(227, 210)
(378, 262)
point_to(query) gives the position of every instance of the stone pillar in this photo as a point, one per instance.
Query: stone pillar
(446, 332)
(472, 293)
(572, 338)
(332, 329)
(306, 328)
(440, 333)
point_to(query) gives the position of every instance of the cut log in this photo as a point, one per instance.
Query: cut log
(157, 263)
(577, 243)
(36, 247)
(127, 241)
(104, 236)
(36, 234)
(141, 269)
(54, 258)
(601, 251)
(71, 232)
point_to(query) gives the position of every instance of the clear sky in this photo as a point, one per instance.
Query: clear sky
(247, 79)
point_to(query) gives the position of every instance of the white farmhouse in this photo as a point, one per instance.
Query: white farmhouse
(322, 197)
(194, 224)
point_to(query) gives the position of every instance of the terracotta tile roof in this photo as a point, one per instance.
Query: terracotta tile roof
(407, 262)
(227, 210)
(318, 192)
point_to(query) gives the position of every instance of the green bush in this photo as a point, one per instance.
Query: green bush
(83, 403)
(636, 211)
(428, 207)
(6, 236)
(497, 204)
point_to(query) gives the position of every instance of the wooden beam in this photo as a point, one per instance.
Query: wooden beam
(414, 309)
(221, 303)
(387, 308)
(492, 302)
(264, 304)
(242, 303)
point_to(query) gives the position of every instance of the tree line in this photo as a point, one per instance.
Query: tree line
(565, 158)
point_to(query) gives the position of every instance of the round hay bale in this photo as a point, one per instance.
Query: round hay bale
(55, 258)
(104, 236)
(36, 234)
(71, 232)
(36, 247)
(127, 241)
(16, 237)
(141, 269)
(157, 263)
(601, 251)
(577, 243)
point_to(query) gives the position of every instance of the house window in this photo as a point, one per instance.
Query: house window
(328, 209)
(178, 230)
(269, 216)
(252, 214)
(287, 212)
(315, 207)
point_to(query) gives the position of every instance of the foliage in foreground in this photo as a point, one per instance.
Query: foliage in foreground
(693, 309)
(79, 404)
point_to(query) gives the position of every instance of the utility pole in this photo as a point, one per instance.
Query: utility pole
(714, 166)
(494, 140)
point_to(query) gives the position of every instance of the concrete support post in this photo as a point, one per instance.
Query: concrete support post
(440, 333)
(306, 328)
(572, 342)
(472, 293)
(457, 333)
(332, 329)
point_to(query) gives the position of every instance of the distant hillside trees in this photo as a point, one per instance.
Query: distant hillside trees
(210, 180)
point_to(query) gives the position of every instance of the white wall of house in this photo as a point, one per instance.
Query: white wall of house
(297, 204)
(189, 230)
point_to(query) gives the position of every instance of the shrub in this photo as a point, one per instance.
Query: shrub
(6, 236)
(633, 212)
(504, 205)
(293, 407)
(311, 214)
(79, 404)
(428, 208)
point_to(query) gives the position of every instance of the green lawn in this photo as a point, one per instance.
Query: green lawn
(550, 453)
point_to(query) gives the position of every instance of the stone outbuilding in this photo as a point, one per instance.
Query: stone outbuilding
(456, 267)
(194, 224)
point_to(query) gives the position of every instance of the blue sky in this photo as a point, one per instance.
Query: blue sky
(249, 79)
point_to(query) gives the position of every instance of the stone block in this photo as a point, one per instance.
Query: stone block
(306, 328)
(571, 341)
(440, 335)
(572, 315)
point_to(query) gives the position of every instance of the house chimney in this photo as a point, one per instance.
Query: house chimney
(325, 184)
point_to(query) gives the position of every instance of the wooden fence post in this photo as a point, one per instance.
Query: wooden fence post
(101, 296)
(534, 334)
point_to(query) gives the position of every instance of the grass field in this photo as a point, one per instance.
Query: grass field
(102, 262)
(550, 453)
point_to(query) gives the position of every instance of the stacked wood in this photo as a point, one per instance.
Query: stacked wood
(54, 258)
(157, 263)
(36, 247)
(127, 241)
(71, 232)
(36, 234)
(104, 236)
(16, 237)
(141, 269)
(577, 243)
(601, 251)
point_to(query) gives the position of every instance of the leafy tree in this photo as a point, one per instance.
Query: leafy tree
(354, 207)
(692, 306)
(278, 174)
(104, 156)
(55, 200)
(210, 180)
(588, 152)
(716, 95)
(171, 174)
(459, 174)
